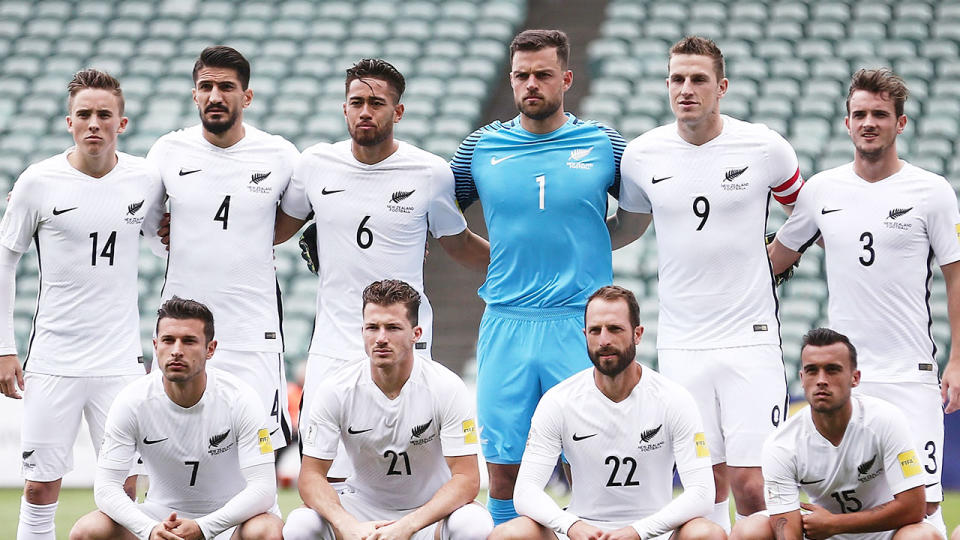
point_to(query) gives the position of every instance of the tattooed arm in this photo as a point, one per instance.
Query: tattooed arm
(787, 526)
(906, 507)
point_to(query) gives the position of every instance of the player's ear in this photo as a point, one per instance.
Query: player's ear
(193, 92)
(123, 124)
(846, 122)
(901, 123)
(637, 334)
(247, 97)
(397, 112)
(211, 348)
(724, 83)
(417, 333)
(856, 378)
(567, 80)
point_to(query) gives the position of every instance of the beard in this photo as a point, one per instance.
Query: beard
(623, 359)
(219, 126)
(370, 138)
(540, 112)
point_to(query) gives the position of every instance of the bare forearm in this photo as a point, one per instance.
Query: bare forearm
(625, 227)
(319, 495)
(886, 517)
(781, 257)
(285, 227)
(785, 528)
(468, 249)
(458, 491)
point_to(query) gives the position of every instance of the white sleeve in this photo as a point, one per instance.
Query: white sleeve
(256, 498)
(458, 426)
(321, 430)
(695, 501)
(443, 215)
(943, 223)
(8, 288)
(539, 458)
(295, 202)
(632, 196)
(901, 465)
(783, 169)
(153, 215)
(780, 481)
(113, 501)
(801, 229)
(22, 217)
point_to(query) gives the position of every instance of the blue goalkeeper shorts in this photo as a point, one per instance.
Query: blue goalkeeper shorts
(522, 353)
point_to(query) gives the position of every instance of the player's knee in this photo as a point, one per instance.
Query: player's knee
(955, 535)
(262, 527)
(748, 494)
(755, 527)
(918, 531)
(41, 492)
(469, 522)
(521, 528)
(302, 524)
(91, 527)
(701, 529)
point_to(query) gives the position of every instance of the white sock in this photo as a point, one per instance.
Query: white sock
(305, 524)
(36, 521)
(721, 515)
(469, 522)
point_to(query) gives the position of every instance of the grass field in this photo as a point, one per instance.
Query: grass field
(77, 502)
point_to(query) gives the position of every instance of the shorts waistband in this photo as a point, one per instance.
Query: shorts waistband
(534, 313)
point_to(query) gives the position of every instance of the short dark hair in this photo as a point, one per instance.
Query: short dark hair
(880, 81)
(93, 78)
(611, 293)
(699, 46)
(181, 308)
(535, 40)
(376, 68)
(822, 337)
(221, 56)
(387, 292)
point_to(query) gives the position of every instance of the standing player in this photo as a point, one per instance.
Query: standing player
(374, 199)
(852, 456)
(204, 443)
(543, 180)
(84, 210)
(622, 427)
(882, 221)
(408, 427)
(707, 179)
(223, 180)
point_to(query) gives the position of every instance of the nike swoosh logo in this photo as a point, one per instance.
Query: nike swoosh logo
(655, 180)
(147, 441)
(58, 212)
(494, 161)
(825, 211)
(352, 432)
(576, 438)
(274, 431)
(805, 482)
(326, 191)
(184, 173)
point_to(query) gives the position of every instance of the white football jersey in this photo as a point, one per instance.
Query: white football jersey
(372, 223)
(710, 204)
(875, 460)
(193, 456)
(223, 204)
(397, 446)
(622, 454)
(880, 239)
(87, 233)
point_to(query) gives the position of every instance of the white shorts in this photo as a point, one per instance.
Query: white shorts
(52, 407)
(612, 526)
(922, 406)
(319, 367)
(160, 513)
(263, 371)
(741, 393)
(363, 510)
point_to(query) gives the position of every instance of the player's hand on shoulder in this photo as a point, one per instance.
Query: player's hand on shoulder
(391, 530)
(11, 376)
(784, 276)
(818, 524)
(624, 533)
(581, 530)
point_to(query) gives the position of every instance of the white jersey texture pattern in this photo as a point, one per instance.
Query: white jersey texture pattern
(87, 233)
(372, 222)
(710, 205)
(397, 446)
(223, 204)
(880, 239)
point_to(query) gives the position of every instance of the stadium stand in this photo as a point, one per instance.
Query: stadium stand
(449, 51)
(788, 62)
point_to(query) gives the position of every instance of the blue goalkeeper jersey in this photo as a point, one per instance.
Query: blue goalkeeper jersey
(544, 199)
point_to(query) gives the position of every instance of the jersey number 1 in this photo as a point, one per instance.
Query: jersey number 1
(541, 180)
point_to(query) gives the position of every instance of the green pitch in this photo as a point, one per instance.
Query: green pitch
(77, 502)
